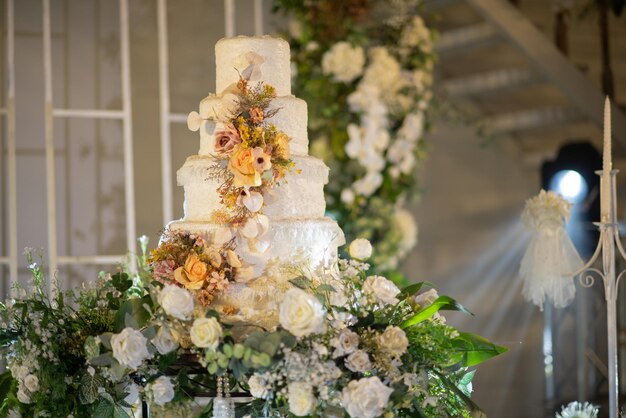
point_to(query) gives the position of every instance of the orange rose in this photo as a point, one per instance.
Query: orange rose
(241, 164)
(193, 274)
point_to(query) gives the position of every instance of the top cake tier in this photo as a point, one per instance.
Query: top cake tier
(234, 55)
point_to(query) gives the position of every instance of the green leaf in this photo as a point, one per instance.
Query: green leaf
(105, 339)
(121, 282)
(466, 381)
(413, 289)
(441, 303)
(301, 282)
(135, 310)
(325, 288)
(103, 410)
(474, 409)
(88, 392)
(103, 360)
(472, 349)
(6, 381)
(150, 332)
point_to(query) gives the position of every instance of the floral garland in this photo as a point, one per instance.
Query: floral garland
(348, 344)
(365, 69)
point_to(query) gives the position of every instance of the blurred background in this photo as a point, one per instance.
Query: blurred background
(531, 75)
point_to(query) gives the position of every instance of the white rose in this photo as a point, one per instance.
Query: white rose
(19, 372)
(301, 313)
(346, 342)
(132, 390)
(258, 386)
(426, 298)
(32, 383)
(384, 290)
(393, 341)
(129, 348)
(366, 398)
(360, 248)
(176, 301)
(404, 219)
(22, 396)
(206, 332)
(347, 196)
(367, 185)
(162, 390)
(358, 362)
(165, 341)
(343, 61)
(301, 398)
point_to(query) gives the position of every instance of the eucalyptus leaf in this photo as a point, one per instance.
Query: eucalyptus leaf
(103, 360)
(301, 282)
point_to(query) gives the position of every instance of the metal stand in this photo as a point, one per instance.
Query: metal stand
(609, 241)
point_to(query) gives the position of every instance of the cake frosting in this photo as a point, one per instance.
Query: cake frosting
(298, 232)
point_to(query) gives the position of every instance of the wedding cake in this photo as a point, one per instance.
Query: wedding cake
(286, 225)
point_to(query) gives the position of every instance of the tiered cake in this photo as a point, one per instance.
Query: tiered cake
(298, 230)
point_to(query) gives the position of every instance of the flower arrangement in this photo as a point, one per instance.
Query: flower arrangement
(251, 155)
(578, 410)
(366, 70)
(348, 344)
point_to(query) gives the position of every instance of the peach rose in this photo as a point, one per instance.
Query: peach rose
(227, 139)
(193, 274)
(241, 164)
(257, 115)
(262, 160)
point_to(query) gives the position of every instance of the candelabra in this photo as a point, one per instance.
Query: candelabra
(606, 251)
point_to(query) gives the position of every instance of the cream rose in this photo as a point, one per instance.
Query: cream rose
(193, 274)
(22, 396)
(346, 342)
(176, 301)
(258, 386)
(393, 341)
(366, 398)
(226, 139)
(206, 332)
(162, 390)
(301, 398)
(165, 341)
(343, 61)
(130, 348)
(358, 362)
(360, 249)
(32, 383)
(241, 164)
(384, 290)
(301, 313)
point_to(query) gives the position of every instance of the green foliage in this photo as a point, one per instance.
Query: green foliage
(471, 349)
(442, 303)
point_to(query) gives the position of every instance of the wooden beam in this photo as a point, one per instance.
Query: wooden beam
(478, 35)
(489, 82)
(581, 91)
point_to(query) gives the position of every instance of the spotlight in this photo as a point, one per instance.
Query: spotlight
(571, 185)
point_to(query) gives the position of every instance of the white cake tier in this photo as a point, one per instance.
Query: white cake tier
(291, 118)
(300, 195)
(312, 240)
(234, 55)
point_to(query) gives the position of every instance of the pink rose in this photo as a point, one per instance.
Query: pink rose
(227, 139)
